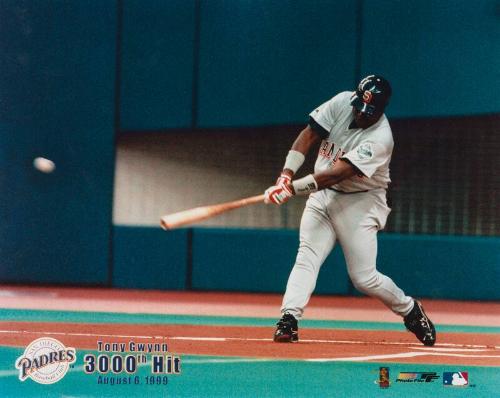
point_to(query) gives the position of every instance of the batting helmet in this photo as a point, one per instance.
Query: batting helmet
(372, 95)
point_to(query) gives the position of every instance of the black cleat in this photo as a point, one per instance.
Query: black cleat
(420, 325)
(287, 330)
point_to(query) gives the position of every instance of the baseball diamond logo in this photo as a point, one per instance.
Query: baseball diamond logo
(45, 361)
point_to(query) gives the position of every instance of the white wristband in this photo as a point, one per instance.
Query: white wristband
(294, 160)
(305, 185)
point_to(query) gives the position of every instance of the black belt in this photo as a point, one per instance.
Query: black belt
(339, 191)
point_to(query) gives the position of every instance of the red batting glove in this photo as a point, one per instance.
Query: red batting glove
(283, 179)
(278, 194)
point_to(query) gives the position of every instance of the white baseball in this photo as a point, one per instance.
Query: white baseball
(44, 165)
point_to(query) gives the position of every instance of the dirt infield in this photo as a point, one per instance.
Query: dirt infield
(480, 349)
(224, 304)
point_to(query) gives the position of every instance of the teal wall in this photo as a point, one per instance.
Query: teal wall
(57, 76)
(445, 267)
(270, 62)
(65, 91)
(219, 63)
(254, 260)
(442, 57)
(157, 51)
(149, 258)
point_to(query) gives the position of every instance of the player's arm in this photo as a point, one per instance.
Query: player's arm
(280, 192)
(342, 170)
(363, 160)
(306, 139)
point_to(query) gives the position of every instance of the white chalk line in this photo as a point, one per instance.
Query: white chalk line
(466, 347)
(400, 355)
(445, 349)
(126, 336)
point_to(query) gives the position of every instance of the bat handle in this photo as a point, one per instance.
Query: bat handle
(253, 199)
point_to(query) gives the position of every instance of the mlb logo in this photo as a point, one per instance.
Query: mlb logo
(459, 379)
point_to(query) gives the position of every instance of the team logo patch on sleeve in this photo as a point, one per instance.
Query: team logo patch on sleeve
(365, 151)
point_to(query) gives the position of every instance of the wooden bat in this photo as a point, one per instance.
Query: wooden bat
(175, 220)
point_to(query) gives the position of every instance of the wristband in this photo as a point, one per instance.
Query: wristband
(294, 160)
(305, 185)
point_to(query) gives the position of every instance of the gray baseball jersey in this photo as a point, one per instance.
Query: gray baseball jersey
(368, 149)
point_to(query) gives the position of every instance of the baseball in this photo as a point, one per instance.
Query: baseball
(44, 165)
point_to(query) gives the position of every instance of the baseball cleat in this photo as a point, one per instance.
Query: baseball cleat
(420, 325)
(287, 330)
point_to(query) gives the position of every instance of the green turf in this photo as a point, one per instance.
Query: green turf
(112, 317)
(204, 376)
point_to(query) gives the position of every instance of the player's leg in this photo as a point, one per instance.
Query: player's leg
(357, 219)
(357, 233)
(360, 252)
(317, 239)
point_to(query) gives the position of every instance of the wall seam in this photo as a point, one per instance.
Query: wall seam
(359, 41)
(196, 64)
(116, 131)
(189, 260)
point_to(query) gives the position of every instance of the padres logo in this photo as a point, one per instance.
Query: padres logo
(367, 97)
(45, 360)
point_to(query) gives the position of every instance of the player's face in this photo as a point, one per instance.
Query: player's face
(363, 120)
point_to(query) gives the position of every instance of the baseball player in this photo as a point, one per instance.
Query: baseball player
(347, 203)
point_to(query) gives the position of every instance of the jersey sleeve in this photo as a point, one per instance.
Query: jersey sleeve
(368, 156)
(325, 115)
(323, 133)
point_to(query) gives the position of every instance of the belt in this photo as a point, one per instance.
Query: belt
(339, 191)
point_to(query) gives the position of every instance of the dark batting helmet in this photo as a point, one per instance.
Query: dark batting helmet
(372, 95)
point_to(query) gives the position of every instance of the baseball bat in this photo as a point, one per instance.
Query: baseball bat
(175, 220)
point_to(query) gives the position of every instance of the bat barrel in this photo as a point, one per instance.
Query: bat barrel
(197, 214)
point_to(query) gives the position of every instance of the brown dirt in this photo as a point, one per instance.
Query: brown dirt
(256, 341)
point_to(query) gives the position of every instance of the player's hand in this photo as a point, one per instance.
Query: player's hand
(278, 194)
(283, 179)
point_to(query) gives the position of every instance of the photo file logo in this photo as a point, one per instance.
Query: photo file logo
(417, 377)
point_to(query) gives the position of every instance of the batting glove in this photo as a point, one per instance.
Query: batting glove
(283, 179)
(278, 194)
